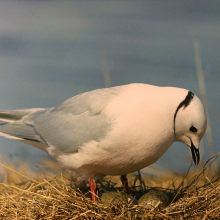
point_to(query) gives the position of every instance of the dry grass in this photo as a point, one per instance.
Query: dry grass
(32, 196)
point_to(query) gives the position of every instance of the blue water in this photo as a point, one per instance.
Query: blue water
(50, 51)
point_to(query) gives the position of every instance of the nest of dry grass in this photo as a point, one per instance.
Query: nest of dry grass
(193, 196)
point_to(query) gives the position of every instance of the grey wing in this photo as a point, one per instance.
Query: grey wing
(76, 121)
(68, 126)
(66, 132)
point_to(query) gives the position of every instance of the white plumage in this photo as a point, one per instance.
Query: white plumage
(111, 131)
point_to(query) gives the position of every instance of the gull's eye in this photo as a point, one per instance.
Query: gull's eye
(193, 129)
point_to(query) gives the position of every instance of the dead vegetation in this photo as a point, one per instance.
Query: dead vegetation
(26, 195)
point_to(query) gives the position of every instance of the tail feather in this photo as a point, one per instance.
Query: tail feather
(19, 130)
(14, 115)
(13, 126)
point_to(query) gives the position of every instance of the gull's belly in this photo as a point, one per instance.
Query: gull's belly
(129, 159)
(96, 159)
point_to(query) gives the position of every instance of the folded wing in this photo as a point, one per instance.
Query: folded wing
(66, 127)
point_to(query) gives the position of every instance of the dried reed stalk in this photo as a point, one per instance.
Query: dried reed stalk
(202, 91)
(193, 196)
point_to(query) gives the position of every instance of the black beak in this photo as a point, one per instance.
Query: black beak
(195, 153)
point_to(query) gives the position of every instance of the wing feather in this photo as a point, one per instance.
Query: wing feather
(66, 127)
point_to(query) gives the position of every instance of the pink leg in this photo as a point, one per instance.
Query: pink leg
(124, 181)
(92, 185)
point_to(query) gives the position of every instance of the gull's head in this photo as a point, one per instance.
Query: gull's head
(190, 124)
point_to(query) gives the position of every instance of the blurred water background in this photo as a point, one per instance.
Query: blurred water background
(50, 51)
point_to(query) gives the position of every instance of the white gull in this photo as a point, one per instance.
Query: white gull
(111, 131)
